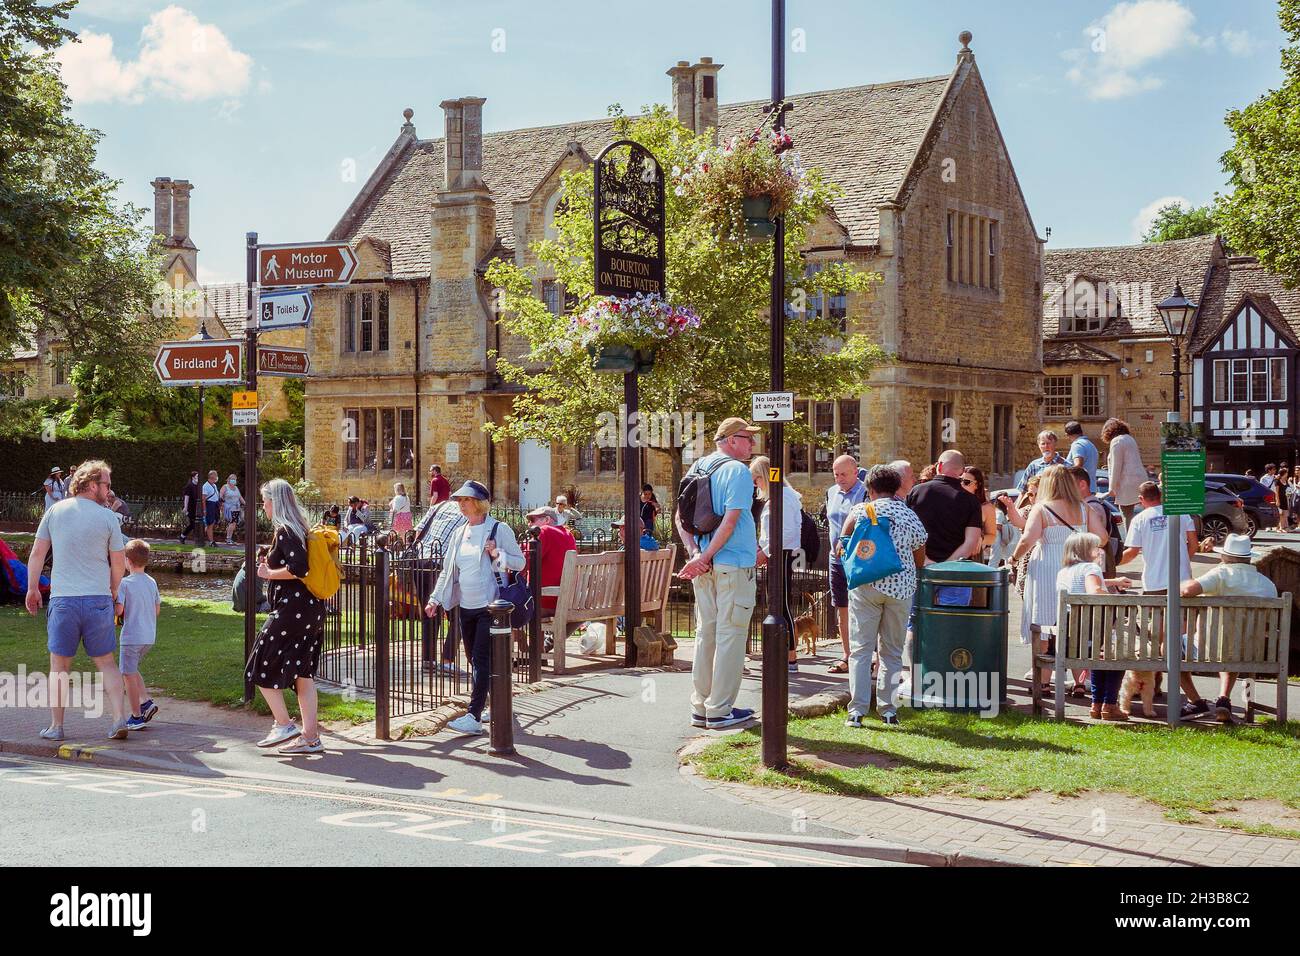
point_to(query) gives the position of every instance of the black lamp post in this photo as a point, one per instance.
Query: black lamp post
(1177, 312)
(201, 336)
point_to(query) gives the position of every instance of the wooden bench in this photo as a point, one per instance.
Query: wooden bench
(1240, 635)
(591, 589)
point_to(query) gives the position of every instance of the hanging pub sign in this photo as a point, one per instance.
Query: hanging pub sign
(629, 221)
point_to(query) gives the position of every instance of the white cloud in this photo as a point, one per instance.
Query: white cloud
(180, 58)
(1147, 214)
(1123, 45)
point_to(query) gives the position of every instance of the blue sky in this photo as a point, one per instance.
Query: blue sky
(278, 110)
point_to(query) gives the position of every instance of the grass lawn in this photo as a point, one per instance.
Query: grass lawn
(199, 656)
(939, 752)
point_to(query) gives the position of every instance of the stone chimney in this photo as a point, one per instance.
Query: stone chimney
(463, 143)
(695, 94)
(162, 206)
(181, 210)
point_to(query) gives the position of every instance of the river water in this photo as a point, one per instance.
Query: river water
(206, 587)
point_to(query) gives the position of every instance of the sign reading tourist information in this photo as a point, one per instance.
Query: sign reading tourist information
(772, 406)
(200, 362)
(1182, 464)
(277, 360)
(289, 309)
(629, 221)
(305, 263)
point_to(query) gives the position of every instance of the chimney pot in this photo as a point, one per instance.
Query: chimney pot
(181, 209)
(162, 206)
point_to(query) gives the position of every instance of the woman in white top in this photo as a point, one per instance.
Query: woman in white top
(480, 555)
(1124, 464)
(1057, 513)
(792, 523)
(400, 509)
(1082, 574)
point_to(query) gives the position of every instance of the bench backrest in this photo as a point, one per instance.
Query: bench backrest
(1129, 627)
(591, 585)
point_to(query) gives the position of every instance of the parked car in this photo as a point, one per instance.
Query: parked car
(1225, 513)
(1261, 504)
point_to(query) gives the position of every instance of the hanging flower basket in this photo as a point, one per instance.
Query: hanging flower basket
(742, 185)
(626, 335)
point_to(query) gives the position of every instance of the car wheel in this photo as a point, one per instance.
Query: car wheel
(1216, 527)
(1252, 527)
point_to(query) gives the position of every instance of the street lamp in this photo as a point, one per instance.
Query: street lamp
(1177, 312)
(201, 336)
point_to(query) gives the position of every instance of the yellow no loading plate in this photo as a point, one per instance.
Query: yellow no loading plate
(243, 400)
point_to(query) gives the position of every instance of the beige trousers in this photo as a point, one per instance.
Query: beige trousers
(724, 604)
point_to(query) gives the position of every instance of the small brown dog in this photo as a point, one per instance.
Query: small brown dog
(1137, 683)
(808, 625)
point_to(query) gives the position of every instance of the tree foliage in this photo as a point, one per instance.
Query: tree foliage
(1261, 216)
(75, 266)
(1175, 222)
(719, 365)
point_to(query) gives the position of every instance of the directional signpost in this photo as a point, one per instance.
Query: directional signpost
(201, 362)
(280, 360)
(772, 406)
(289, 309)
(305, 263)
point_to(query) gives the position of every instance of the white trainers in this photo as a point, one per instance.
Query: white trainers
(466, 725)
(279, 735)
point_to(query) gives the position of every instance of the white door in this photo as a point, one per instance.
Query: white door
(534, 474)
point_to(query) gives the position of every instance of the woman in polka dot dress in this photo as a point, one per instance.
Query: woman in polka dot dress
(287, 649)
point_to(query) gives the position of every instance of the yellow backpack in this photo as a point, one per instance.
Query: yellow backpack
(323, 577)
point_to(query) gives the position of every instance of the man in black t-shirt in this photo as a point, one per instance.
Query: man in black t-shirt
(190, 505)
(952, 518)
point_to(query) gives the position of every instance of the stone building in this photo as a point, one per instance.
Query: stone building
(1106, 351)
(931, 201)
(41, 370)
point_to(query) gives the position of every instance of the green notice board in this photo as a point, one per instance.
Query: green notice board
(1182, 466)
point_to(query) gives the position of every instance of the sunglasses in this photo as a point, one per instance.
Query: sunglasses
(969, 481)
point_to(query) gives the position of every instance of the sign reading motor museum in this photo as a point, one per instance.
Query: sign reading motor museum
(629, 221)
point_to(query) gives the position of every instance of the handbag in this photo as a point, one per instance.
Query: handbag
(870, 554)
(512, 588)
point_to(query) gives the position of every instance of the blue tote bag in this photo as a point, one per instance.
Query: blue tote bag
(869, 554)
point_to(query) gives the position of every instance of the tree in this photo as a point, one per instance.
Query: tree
(716, 367)
(75, 266)
(1175, 222)
(1262, 214)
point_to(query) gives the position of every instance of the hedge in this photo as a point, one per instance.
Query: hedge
(145, 469)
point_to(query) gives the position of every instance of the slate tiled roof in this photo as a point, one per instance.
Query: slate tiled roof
(227, 301)
(1075, 352)
(1150, 268)
(863, 138)
(1232, 281)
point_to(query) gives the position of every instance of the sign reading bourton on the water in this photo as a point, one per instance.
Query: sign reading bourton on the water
(629, 220)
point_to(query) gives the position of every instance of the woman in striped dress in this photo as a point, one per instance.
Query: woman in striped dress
(1058, 513)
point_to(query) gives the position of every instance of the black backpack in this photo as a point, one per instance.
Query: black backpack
(810, 538)
(695, 501)
(1115, 545)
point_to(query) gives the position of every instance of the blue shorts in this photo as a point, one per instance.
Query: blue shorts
(211, 509)
(81, 620)
(839, 585)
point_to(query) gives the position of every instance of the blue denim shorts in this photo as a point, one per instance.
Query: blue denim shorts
(81, 620)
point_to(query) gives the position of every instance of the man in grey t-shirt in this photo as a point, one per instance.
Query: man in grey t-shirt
(86, 540)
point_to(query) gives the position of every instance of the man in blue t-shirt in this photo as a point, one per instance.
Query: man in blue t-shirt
(1082, 453)
(721, 567)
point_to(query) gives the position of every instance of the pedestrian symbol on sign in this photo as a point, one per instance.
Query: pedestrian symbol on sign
(228, 366)
(272, 269)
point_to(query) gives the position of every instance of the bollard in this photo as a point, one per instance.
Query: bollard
(499, 696)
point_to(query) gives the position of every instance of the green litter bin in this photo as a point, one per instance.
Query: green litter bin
(959, 652)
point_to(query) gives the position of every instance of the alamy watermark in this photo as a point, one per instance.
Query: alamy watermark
(75, 690)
